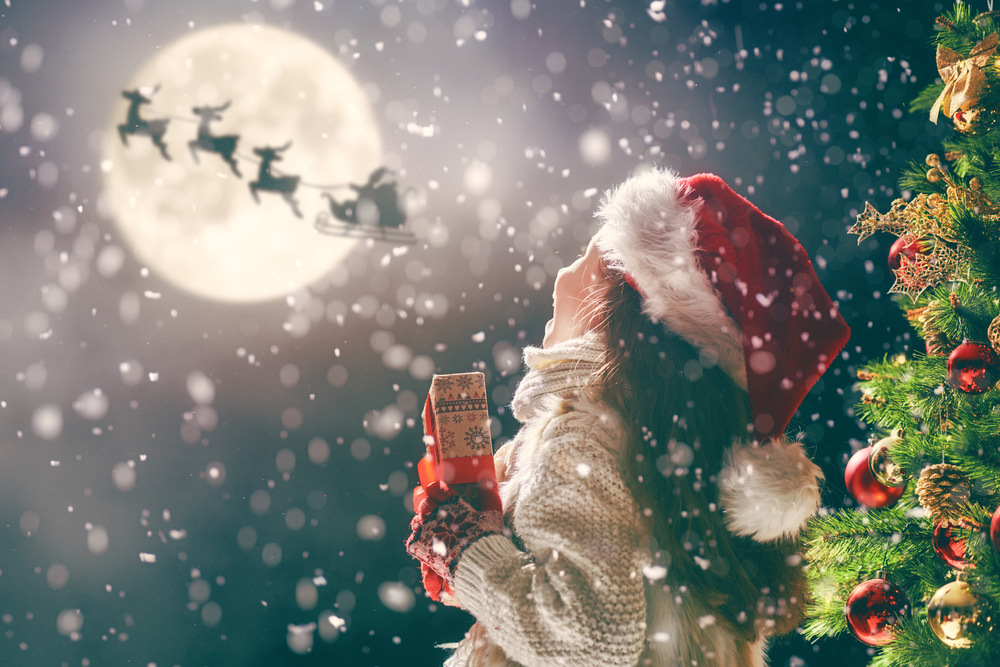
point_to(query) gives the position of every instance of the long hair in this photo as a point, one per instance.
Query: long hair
(680, 412)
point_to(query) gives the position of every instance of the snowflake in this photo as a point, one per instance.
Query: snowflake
(477, 438)
(456, 418)
(447, 440)
(443, 383)
(464, 382)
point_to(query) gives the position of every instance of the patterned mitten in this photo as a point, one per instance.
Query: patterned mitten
(445, 524)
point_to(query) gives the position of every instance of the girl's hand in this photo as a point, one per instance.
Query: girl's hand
(445, 524)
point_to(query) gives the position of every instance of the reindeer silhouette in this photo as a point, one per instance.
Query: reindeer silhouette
(135, 124)
(383, 196)
(206, 141)
(267, 182)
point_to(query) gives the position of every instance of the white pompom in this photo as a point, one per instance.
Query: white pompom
(769, 491)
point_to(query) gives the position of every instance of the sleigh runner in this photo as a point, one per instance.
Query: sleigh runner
(325, 224)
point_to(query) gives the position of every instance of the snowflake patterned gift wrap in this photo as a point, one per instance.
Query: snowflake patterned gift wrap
(457, 431)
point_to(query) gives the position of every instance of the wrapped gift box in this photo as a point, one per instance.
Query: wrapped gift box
(457, 431)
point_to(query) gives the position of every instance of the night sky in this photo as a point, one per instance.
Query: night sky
(183, 478)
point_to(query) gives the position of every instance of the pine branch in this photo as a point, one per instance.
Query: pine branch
(914, 177)
(974, 232)
(881, 660)
(848, 544)
(961, 311)
(960, 29)
(980, 550)
(976, 453)
(977, 158)
(825, 614)
(925, 99)
(915, 644)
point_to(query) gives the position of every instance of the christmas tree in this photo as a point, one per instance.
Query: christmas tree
(916, 573)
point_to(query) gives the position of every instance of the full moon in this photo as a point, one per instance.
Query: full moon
(191, 218)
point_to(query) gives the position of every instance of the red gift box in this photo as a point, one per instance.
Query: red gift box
(457, 431)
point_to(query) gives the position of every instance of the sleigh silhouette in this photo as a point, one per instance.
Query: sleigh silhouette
(374, 213)
(327, 224)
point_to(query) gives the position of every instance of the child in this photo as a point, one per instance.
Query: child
(650, 501)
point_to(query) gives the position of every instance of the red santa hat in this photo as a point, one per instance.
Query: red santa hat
(733, 282)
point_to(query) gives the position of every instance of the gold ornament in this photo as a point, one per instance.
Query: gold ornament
(954, 612)
(993, 334)
(974, 121)
(880, 462)
(964, 80)
(934, 175)
(944, 490)
(932, 160)
(972, 197)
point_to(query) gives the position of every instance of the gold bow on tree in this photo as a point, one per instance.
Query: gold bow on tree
(964, 81)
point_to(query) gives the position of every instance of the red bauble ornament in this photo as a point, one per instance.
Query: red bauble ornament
(864, 487)
(995, 529)
(949, 547)
(874, 608)
(902, 250)
(973, 368)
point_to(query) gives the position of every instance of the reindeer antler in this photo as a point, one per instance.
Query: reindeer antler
(224, 106)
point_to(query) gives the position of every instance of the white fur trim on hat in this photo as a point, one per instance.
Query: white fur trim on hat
(648, 231)
(768, 491)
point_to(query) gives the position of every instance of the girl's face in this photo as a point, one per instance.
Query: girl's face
(571, 316)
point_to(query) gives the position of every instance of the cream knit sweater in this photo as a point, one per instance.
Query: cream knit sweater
(575, 594)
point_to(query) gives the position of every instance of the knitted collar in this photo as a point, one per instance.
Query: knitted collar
(562, 370)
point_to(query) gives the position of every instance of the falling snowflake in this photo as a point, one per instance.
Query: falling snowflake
(477, 438)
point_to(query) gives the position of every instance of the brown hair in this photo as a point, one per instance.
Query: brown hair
(680, 412)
